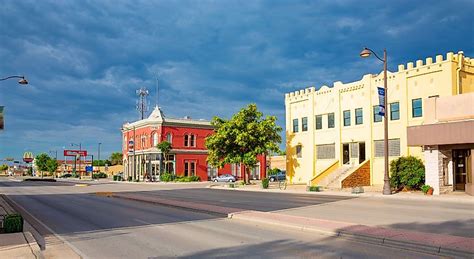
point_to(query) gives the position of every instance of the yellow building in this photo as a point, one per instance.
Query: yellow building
(334, 135)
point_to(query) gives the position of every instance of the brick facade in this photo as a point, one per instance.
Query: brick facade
(360, 177)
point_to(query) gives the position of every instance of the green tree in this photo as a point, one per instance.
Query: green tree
(3, 167)
(165, 148)
(41, 162)
(242, 138)
(52, 165)
(116, 158)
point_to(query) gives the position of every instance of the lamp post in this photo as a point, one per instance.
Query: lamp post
(55, 157)
(365, 53)
(22, 80)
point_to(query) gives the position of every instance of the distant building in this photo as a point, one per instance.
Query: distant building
(335, 135)
(142, 159)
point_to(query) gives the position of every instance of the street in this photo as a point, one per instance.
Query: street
(104, 227)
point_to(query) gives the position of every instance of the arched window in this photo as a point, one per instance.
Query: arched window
(169, 137)
(186, 139)
(155, 139)
(192, 142)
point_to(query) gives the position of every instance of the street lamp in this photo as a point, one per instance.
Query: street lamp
(22, 80)
(98, 156)
(365, 53)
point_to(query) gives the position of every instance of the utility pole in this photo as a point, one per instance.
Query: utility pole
(142, 104)
(98, 155)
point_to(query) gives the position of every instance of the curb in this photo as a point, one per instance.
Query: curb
(35, 248)
(451, 199)
(191, 206)
(379, 236)
(42, 231)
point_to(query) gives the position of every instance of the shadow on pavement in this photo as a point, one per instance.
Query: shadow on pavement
(17, 184)
(247, 200)
(462, 228)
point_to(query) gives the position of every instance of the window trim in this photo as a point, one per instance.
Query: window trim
(413, 108)
(361, 116)
(391, 111)
(376, 109)
(295, 125)
(320, 122)
(304, 126)
(333, 120)
(344, 118)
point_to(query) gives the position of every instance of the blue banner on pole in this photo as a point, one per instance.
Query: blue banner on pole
(381, 92)
(89, 168)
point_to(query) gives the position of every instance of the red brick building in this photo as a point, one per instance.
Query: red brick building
(188, 155)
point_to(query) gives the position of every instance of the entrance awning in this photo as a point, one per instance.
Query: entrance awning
(460, 132)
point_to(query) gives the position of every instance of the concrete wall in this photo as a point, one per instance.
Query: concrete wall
(420, 79)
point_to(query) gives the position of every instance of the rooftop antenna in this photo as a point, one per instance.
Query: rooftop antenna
(142, 104)
(157, 91)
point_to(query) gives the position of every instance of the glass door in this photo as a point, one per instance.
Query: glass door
(460, 169)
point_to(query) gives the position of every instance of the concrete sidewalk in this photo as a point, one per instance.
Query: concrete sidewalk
(435, 243)
(17, 245)
(457, 197)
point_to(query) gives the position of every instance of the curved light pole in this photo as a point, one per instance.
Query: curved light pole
(22, 80)
(365, 53)
(75, 159)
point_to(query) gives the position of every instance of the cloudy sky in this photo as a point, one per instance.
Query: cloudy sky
(85, 59)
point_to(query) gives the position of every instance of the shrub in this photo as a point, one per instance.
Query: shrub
(187, 179)
(314, 189)
(407, 172)
(166, 177)
(265, 183)
(117, 178)
(273, 171)
(13, 223)
(425, 188)
(99, 175)
(129, 179)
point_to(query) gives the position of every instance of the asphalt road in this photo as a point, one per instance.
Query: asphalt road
(102, 227)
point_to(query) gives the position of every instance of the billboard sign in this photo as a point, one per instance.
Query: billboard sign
(89, 168)
(75, 152)
(28, 157)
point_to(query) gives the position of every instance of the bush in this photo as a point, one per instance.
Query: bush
(166, 177)
(265, 183)
(13, 223)
(273, 171)
(187, 179)
(129, 179)
(314, 189)
(99, 175)
(407, 172)
(117, 178)
(425, 188)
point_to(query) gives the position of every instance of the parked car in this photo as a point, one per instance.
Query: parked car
(225, 178)
(66, 175)
(280, 176)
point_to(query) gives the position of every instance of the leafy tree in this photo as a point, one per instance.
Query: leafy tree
(41, 162)
(52, 165)
(243, 137)
(165, 148)
(3, 167)
(100, 162)
(116, 158)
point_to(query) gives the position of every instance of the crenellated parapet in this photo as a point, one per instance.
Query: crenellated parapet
(410, 68)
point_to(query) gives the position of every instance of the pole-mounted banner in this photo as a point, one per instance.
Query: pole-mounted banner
(381, 92)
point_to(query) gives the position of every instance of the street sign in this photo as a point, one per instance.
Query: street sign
(89, 168)
(75, 152)
(381, 92)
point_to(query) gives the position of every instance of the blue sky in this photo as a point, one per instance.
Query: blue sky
(85, 59)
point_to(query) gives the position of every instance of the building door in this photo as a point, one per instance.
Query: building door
(361, 152)
(345, 154)
(460, 169)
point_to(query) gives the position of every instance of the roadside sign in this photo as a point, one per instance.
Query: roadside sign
(89, 168)
(381, 92)
(75, 152)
